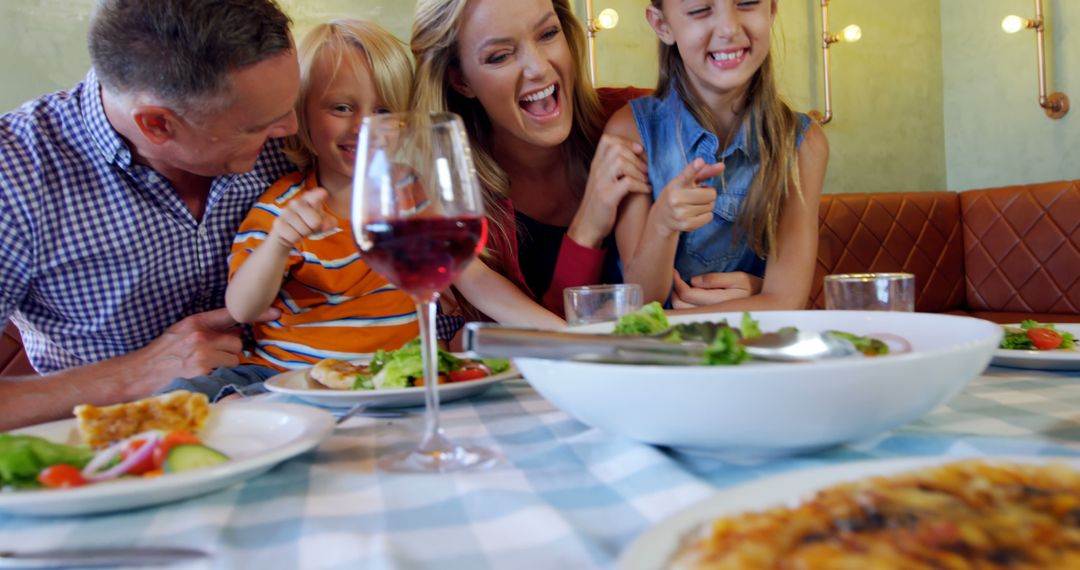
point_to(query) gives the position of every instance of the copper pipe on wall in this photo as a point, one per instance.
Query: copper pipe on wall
(827, 39)
(1055, 105)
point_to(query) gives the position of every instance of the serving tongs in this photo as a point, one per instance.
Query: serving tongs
(495, 341)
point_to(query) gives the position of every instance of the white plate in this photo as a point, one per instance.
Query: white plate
(296, 383)
(655, 546)
(1041, 359)
(255, 436)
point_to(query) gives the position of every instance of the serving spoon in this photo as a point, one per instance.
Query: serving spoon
(496, 341)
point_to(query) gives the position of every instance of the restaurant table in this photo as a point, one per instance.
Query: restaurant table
(564, 495)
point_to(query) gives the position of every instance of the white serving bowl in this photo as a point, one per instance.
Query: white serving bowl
(761, 409)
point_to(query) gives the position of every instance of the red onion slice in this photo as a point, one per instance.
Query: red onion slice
(150, 440)
(897, 344)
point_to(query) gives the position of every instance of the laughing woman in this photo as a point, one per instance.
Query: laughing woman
(515, 71)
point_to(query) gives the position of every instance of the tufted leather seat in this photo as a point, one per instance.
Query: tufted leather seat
(1003, 254)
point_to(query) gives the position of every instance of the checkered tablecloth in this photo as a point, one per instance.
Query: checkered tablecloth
(565, 496)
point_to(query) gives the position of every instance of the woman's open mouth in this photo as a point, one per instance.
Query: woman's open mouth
(542, 104)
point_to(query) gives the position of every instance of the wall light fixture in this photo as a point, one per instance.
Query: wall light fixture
(1056, 104)
(849, 34)
(606, 20)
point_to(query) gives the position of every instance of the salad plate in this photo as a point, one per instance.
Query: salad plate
(1041, 359)
(296, 383)
(255, 436)
(655, 547)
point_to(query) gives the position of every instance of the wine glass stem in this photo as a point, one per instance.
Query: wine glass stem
(425, 309)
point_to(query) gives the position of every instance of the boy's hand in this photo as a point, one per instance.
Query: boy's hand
(302, 217)
(683, 205)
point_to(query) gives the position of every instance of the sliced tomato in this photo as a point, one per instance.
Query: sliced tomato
(61, 475)
(1044, 339)
(171, 440)
(141, 467)
(466, 374)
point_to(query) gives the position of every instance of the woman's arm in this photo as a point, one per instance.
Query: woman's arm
(617, 172)
(497, 297)
(257, 282)
(790, 266)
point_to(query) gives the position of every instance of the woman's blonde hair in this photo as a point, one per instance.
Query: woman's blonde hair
(435, 35)
(347, 40)
(774, 128)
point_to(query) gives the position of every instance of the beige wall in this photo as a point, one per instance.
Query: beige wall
(996, 134)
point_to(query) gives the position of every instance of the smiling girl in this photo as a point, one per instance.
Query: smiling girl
(736, 174)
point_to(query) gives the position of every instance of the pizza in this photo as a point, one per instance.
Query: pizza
(969, 514)
(175, 411)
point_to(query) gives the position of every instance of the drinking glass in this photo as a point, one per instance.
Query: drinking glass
(870, 292)
(598, 303)
(418, 219)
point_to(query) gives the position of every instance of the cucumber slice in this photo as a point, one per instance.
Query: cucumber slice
(192, 456)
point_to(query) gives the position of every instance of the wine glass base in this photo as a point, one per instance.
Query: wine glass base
(453, 458)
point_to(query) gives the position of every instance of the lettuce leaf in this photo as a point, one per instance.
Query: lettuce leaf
(22, 457)
(650, 319)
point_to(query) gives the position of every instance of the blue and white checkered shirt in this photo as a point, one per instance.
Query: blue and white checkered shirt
(100, 255)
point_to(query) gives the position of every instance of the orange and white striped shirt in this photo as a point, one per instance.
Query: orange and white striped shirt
(333, 305)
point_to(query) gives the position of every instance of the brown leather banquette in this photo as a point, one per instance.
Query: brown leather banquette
(1003, 254)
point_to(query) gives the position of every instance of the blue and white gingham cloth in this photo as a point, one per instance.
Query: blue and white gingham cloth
(565, 496)
(100, 255)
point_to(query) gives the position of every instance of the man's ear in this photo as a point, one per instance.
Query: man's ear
(458, 82)
(659, 25)
(157, 124)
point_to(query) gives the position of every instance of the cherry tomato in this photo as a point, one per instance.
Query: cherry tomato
(466, 374)
(61, 475)
(1044, 339)
(141, 467)
(171, 440)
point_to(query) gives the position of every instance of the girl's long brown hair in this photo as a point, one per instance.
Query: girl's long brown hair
(774, 126)
(435, 43)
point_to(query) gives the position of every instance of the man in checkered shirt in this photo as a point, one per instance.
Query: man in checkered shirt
(119, 199)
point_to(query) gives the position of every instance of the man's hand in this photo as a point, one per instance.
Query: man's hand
(713, 288)
(194, 346)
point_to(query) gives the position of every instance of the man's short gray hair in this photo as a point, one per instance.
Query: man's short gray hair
(183, 50)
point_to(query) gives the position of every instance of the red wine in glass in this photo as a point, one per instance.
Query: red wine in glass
(422, 256)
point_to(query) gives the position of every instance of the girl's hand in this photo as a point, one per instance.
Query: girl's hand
(713, 288)
(302, 217)
(618, 169)
(683, 205)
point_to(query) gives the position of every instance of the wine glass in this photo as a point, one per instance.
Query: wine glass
(418, 219)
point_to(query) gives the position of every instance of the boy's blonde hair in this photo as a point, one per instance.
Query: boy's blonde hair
(348, 39)
(435, 36)
(774, 126)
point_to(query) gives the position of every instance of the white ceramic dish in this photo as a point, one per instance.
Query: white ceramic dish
(296, 383)
(255, 436)
(770, 409)
(654, 548)
(1041, 359)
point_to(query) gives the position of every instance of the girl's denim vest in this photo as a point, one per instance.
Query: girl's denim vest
(672, 139)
